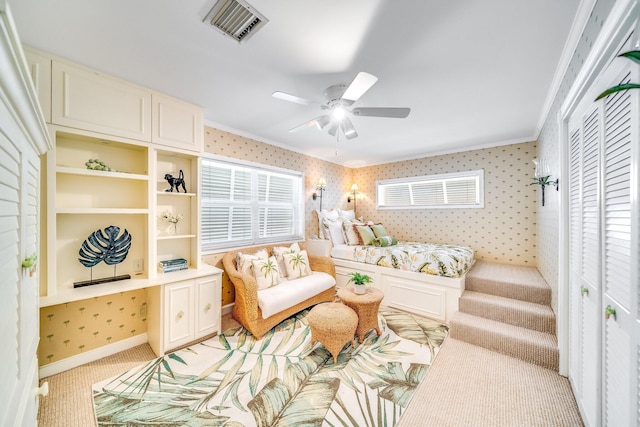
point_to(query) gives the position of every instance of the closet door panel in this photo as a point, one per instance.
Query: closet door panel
(575, 244)
(590, 267)
(617, 197)
(617, 150)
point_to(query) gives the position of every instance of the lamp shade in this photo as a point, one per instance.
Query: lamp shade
(322, 182)
(354, 188)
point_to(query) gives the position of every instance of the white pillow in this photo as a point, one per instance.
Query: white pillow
(243, 261)
(348, 215)
(278, 251)
(297, 264)
(350, 234)
(332, 214)
(334, 230)
(266, 272)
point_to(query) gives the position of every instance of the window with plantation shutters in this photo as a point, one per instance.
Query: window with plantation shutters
(453, 190)
(245, 204)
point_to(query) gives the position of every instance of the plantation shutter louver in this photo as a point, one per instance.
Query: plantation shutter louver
(455, 190)
(244, 205)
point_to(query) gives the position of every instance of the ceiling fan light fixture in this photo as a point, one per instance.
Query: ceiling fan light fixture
(338, 113)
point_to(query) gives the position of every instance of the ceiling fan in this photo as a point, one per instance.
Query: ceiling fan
(338, 100)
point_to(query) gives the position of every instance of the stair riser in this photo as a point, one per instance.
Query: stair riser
(519, 292)
(521, 349)
(509, 315)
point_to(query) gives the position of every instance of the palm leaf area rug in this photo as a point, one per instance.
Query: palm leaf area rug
(235, 380)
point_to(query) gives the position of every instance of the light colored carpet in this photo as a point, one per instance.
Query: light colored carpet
(472, 386)
(69, 403)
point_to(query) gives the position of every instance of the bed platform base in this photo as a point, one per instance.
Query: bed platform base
(427, 295)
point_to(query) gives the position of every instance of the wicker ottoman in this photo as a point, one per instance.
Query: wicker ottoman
(366, 307)
(333, 325)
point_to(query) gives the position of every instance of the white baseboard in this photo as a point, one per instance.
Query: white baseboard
(92, 355)
(227, 308)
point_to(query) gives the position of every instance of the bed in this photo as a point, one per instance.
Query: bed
(422, 278)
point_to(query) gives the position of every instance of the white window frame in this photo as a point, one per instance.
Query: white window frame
(445, 177)
(254, 204)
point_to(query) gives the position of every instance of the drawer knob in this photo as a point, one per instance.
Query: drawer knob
(180, 314)
(584, 290)
(207, 307)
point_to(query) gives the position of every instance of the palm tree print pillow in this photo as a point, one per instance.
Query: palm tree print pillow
(266, 271)
(297, 264)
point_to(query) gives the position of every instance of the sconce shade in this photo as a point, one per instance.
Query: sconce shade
(322, 183)
(354, 188)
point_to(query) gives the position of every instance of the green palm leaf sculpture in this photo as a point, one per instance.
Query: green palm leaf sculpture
(633, 55)
(104, 245)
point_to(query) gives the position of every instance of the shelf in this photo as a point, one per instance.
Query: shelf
(107, 211)
(176, 236)
(103, 174)
(174, 194)
(78, 294)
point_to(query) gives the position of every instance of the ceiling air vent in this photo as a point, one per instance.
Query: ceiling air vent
(236, 19)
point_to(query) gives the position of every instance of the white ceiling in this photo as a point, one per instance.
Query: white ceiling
(475, 73)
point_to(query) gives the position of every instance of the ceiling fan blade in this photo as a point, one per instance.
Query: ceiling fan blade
(292, 98)
(348, 129)
(359, 86)
(333, 128)
(322, 121)
(398, 113)
(319, 122)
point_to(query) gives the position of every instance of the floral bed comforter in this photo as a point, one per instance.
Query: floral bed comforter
(439, 260)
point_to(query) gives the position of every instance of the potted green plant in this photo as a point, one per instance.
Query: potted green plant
(359, 280)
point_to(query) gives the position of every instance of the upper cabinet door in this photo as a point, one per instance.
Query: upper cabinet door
(40, 71)
(176, 123)
(88, 100)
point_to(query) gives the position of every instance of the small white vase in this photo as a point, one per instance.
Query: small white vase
(359, 289)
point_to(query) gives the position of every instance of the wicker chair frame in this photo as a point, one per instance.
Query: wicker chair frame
(246, 310)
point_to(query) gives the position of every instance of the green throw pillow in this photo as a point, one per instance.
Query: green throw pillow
(384, 241)
(366, 234)
(379, 230)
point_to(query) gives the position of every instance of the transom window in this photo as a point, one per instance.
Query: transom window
(246, 204)
(451, 190)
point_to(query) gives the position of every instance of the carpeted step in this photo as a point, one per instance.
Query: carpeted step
(509, 281)
(507, 310)
(531, 346)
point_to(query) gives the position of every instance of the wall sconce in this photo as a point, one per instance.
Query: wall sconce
(354, 191)
(542, 177)
(320, 187)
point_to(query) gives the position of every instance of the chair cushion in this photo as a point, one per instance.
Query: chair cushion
(291, 292)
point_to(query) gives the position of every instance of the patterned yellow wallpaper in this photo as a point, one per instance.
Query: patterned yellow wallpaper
(75, 327)
(504, 231)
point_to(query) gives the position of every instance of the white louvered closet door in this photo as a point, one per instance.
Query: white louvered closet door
(604, 158)
(620, 142)
(584, 257)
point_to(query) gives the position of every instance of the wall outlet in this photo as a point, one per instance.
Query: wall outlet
(138, 265)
